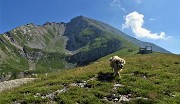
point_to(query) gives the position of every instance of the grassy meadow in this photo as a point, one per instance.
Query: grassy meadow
(148, 79)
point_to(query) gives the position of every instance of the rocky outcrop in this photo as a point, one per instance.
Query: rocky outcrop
(33, 54)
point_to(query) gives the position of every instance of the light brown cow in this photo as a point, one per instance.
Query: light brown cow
(117, 64)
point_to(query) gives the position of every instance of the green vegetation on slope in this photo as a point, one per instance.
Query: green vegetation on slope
(50, 62)
(151, 78)
(15, 62)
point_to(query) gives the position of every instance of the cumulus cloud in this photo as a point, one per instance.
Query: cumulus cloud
(117, 5)
(135, 21)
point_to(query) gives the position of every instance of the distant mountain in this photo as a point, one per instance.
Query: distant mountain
(133, 40)
(54, 46)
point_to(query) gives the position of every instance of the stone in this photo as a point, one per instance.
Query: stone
(173, 95)
(38, 94)
(118, 85)
(81, 85)
(73, 84)
(62, 90)
(91, 79)
(113, 96)
(105, 98)
(43, 97)
(35, 96)
(129, 95)
(123, 98)
(116, 99)
(51, 96)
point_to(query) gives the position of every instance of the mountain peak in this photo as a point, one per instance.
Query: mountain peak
(80, 41)
(79, 18)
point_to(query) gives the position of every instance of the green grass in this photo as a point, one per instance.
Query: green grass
(88, 32)
(51, 61)
(153, 76)
(15, 62)
(50, 32)
(56, 45)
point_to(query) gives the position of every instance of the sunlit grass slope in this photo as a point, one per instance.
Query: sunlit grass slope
(155, 78)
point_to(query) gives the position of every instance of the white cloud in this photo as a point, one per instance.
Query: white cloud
(116, 4)
(135, 21)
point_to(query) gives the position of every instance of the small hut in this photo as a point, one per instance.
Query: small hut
(146, 50)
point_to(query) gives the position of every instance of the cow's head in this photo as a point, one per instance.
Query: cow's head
(120, 64)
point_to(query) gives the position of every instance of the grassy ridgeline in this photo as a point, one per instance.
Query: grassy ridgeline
(154, 77)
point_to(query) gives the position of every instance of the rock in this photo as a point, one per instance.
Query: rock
(35, 96)
(116, 99)
(81, 85)
(123, 98)
(173, 95)
(43, 97)
(113, 96)
(62, 90)
(118, 85)
(91, 79)
(52, 96)
(73, 84)
(15, 102)
(144, 77)
(105, 98)
(129, 95)
(51, 102)
(138, 98)
(38, 94)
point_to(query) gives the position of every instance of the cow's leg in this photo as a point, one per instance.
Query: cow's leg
(116, 72)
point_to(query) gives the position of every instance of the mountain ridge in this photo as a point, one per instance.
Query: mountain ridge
(139, 43)
(54, 46)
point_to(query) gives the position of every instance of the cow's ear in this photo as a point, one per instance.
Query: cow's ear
(124, 62)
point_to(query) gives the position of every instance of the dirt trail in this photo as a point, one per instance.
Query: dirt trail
(14, 83)
(32, 65)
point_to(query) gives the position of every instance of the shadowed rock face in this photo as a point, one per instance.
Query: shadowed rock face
(83, 58)
(80, 32)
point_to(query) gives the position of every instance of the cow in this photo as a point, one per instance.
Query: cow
(117, 64)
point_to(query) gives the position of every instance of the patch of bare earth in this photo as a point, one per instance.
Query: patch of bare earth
(14, 83)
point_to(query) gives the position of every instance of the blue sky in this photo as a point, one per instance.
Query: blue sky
(155, 21)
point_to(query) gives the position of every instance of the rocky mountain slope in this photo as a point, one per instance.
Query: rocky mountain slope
(40, 48)
(129, 38)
